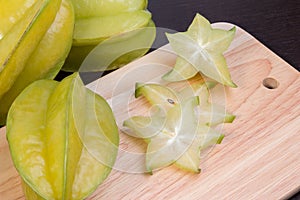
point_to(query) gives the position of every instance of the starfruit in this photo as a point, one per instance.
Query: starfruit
(115, 23)
(208, 113)
(200, 49)
(63, 139)
(100, 8)
(182, 127)
(33, 45)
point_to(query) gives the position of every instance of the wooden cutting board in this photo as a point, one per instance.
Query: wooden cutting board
(259, 157)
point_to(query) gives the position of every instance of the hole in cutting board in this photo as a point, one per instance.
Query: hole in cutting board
(270, 83)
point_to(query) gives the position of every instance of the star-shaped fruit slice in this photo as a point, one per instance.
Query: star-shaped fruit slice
(171, 138)
(200, 49)
(205, 137)
(176, 138)
(165, 97)
(175, 133)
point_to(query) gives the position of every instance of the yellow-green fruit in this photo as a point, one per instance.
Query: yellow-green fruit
(96, 29)
(34, 47)
(63, 139)
(125, 25)
(100, 8)
(112, 53)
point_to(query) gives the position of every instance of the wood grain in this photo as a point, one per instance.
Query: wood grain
(258, 159)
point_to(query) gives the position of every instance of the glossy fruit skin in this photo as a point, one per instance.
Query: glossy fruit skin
(39, 52)
(100, 21)
(140, 40)
(100, 8)
(67, 142)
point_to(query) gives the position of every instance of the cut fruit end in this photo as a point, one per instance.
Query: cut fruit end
(229, 118)
(231, 84)
(211, 84)
(220, 139)
(189, 168)
(138, 89)
(173, 76)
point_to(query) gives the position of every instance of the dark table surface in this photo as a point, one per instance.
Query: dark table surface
(275, 23)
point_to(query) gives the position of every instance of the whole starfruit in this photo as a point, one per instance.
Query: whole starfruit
(63, 139)
(35, 39)
(125, 25)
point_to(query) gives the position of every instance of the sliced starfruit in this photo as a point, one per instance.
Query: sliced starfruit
(182, 70)
(113, 52)
(144, 126)
(100, 8)
(165, 97)
(47, 58)
(208, 113)
(63, 139)
(200, 49)
(33, 47)
(204, 138)
(157, 94)
(172, 137)
(182, 126)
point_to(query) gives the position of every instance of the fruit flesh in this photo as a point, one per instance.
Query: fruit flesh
(208, 113)
(182, 70)
(59, 163)
(157, 94)
(201, 47)
(177, 134)
(48, 57)
(204, 138)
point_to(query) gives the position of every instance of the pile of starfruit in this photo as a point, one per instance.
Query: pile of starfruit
(63, 138)
(39, 37)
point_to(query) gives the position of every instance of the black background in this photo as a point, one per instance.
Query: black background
(275, 23)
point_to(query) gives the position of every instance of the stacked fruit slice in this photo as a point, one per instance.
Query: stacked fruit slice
(63, 139)
(35, 38)
(181, 127)
(116, 21)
